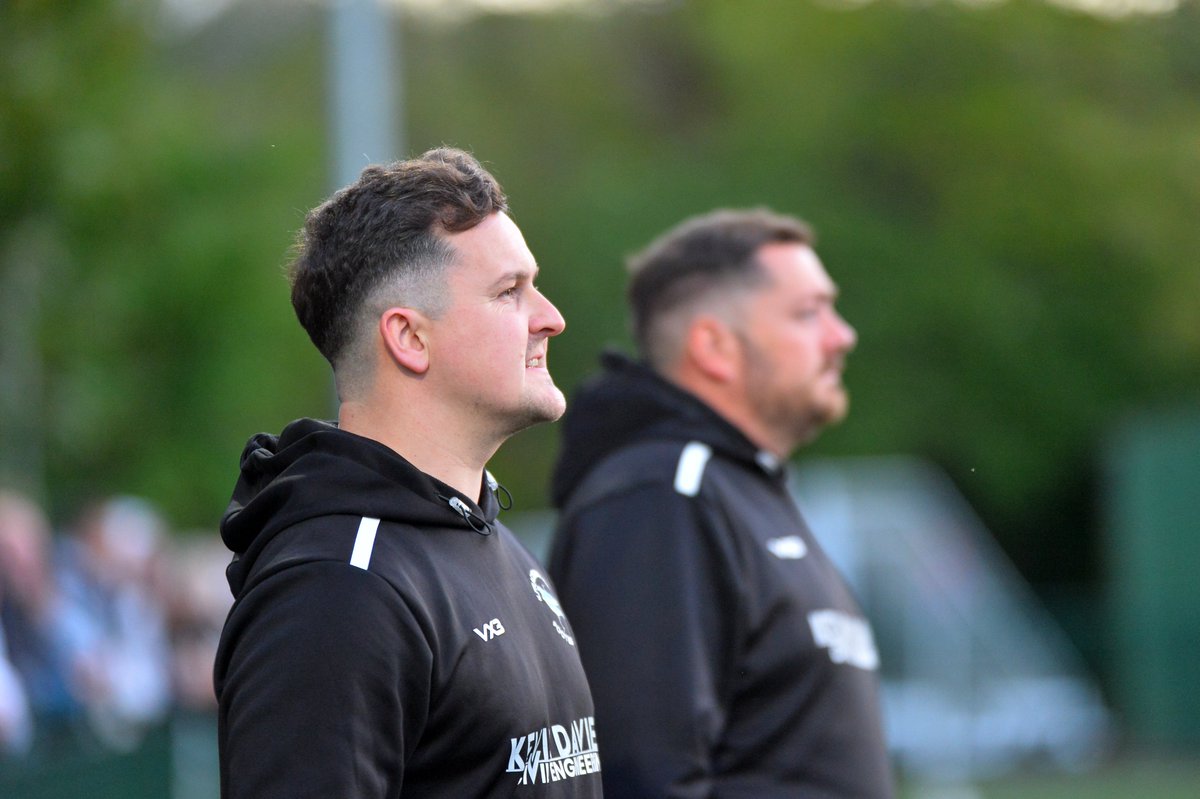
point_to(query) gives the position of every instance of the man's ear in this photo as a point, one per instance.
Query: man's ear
(711, 347)
(404, 332)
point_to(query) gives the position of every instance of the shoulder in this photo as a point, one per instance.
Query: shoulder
(661, 499)
(346, 555)
(339, 540)
(667, 468)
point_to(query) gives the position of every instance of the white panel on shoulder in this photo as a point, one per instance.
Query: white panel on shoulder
(364, 543)
(690, 471)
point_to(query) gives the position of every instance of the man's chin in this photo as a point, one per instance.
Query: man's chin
(553, 414)
(833, 410)
(838, 412)
(548, 408)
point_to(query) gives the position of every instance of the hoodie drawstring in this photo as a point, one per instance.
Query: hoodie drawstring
(503, 497)
(477, 523)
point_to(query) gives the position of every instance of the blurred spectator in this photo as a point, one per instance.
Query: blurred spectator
(16, 726)
(105, 631)
(112, 583)
(199, 601)
(31, 611)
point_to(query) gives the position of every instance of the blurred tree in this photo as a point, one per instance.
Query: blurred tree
(164, 191)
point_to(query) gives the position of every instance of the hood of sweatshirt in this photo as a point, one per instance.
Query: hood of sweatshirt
(628, 402)
(314, 469)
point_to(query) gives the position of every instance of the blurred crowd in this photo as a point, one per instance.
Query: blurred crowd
(106, 626)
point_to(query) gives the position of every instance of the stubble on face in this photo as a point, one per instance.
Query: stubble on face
(796, 414)
(792, 374)
(542, 403)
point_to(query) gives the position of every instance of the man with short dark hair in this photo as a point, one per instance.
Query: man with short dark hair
(726, 655)
(390, 638)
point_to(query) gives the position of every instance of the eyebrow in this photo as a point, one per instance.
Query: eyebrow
(516, 276)
(834, 292)
(821, 296)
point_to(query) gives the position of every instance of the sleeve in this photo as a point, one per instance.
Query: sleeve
(323, 682)
(652, 597)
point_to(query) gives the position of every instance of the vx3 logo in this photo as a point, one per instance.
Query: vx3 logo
(490, 630)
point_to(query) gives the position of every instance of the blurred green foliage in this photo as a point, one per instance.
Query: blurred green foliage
(155, 189)
(1008, 195)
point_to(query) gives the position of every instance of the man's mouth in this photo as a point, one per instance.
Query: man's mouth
(535, 362)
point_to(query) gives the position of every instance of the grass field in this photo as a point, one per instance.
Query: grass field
(1128, 778)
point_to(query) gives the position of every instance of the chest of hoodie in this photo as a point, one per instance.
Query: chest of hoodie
(789, 587)
(506, 677)
(485, 602)
(504, 659)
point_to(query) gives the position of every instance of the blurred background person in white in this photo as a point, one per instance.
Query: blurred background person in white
(112, 581)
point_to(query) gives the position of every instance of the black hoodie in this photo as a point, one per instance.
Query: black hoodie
(389, 637)
(727, 657)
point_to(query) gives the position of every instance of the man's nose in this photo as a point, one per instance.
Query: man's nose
(842, 334)
(547, 318)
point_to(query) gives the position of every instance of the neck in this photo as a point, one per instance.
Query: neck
(736, 409)
(435, 445)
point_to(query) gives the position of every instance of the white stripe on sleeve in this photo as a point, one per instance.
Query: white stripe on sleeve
(364, 542)
(690, 471)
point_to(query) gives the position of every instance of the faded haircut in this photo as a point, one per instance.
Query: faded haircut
(379, 242)
(699, 262)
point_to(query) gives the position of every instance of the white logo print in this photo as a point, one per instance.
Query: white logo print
(555, 753)
(789, 547)
(847, 638)
(541, 589)
(490, 630)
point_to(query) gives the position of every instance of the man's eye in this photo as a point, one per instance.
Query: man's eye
(511, 291)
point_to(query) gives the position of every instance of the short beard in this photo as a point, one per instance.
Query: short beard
(796, 419)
